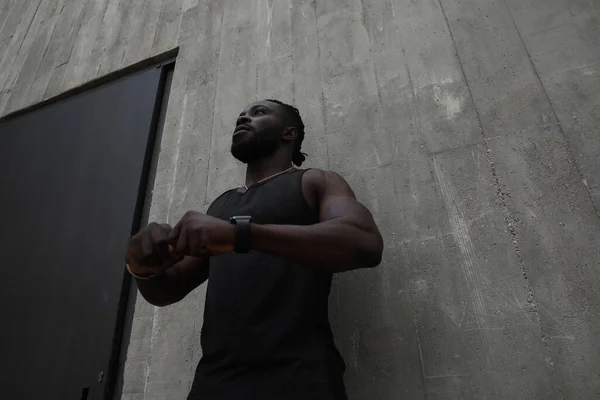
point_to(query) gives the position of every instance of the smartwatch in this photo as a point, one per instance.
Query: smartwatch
(242, 233)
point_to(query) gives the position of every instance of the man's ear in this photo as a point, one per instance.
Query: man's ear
(290, 134)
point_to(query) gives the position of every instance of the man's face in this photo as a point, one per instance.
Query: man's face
(258, 132)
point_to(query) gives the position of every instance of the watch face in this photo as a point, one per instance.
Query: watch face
(241, 218)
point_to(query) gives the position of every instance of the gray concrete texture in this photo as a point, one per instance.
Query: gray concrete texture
(469, 127)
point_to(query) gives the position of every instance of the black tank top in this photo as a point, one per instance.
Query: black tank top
(266, 332)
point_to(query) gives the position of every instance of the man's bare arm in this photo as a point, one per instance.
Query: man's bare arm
(345, 238)
(176, 282)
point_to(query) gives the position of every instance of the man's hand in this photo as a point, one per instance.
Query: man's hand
(197, 235)
(148, 251)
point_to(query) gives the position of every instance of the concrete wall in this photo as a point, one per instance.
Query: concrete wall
(471, 129)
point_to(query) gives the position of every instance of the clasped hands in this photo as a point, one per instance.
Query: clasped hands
(158, 247)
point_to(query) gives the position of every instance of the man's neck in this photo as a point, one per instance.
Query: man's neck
(261, 169)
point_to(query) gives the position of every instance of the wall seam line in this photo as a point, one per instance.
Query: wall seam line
(419, 128)
(212, 130)
(560, 128)
(501, 195)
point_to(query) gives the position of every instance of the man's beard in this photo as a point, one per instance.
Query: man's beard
(254, 148)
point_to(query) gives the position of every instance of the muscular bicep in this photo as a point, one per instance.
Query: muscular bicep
(338, 201)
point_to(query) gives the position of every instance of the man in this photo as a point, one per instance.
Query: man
(268, 251)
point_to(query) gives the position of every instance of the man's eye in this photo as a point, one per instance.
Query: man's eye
(259, 112)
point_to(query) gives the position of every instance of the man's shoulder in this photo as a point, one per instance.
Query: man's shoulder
(320, 178)
(318, 183)
(211, 208)
(320, 175)
(313, 179)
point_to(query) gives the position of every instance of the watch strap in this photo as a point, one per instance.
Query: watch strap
(242, 233)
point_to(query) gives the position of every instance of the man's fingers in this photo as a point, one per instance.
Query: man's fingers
(175, 258)
(178, 239)
(164, 248)
(161, 249)
(182, 242)
(150, 257)
(174, 235)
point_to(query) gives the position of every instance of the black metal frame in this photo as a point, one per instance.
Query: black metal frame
(110, 376)
(138, 220)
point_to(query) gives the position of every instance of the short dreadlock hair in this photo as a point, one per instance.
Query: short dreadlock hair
(293, 114)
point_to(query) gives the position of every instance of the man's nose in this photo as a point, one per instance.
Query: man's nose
(243, 119)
